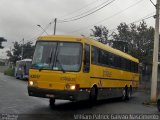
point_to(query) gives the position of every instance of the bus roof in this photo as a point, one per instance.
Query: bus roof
(90, 41)
(27, 60)
(24, 60)
(61, 37)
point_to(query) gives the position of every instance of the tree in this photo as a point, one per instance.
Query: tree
(144, 43)
(2, 40)
(28, 50)
(122, 40)
(101, 33)
(136, 40)
(15, 53)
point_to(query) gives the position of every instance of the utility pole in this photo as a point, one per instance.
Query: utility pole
(155, 56)
(55, 22)
(22, 49)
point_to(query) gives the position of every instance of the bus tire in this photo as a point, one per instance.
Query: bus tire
(123, 94)
(52, 102)
(93, 95)
(126, 94)
(130, 92)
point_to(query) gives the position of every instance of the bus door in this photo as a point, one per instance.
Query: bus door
(86, 64)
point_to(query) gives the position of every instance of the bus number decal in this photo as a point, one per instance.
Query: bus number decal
(107, 73)
(35, 76)
(67, 78)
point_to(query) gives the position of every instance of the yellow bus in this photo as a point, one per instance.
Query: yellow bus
(79, 68)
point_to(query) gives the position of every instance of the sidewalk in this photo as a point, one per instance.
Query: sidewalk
(146, 86)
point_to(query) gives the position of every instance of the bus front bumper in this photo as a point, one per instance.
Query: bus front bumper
(73, 95)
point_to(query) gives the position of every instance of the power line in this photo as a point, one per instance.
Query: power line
(152, 3)
(62, 21)
(107, 18)
(142, 19)
(88, 13)
(69, 14)
(47, 26)
(139, 20)
(120, 12)
(67, 19)
(43, 31)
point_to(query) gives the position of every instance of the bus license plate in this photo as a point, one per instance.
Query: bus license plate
(50, 95)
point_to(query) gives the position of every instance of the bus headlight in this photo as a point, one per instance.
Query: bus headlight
(72, 87)
(31, 83)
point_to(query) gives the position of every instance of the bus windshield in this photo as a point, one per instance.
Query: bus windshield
(64, 56)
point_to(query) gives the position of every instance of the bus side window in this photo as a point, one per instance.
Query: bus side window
(86, 58)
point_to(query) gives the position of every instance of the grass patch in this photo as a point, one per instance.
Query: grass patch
(9, 72)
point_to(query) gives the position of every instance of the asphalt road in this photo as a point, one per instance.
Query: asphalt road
(15, 103)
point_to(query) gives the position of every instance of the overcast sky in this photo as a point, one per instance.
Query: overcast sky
(19, 18)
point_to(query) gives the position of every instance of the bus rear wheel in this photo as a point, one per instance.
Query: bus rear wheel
(126, 94)
(52, 102)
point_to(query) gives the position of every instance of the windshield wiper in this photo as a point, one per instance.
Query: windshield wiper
(61, 65)
(50, 56)
(40, 68)
(37, 66)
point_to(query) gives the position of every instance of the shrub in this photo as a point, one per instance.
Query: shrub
(9, 71)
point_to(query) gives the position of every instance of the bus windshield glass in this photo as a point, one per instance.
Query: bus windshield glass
(63, 56)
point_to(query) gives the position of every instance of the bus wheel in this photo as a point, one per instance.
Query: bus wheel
(93, 95)
(52, 102)
(158, 104)
(130, 92)
(123, 94)
(126, 94)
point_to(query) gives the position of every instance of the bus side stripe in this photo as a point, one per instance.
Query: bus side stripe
(113, 79)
